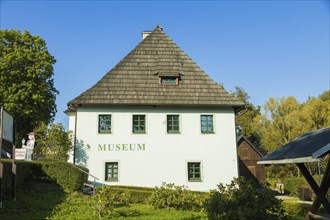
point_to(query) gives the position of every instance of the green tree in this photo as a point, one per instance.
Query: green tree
(285, 119)
(27, 87)
(246, 120)
(53, 141)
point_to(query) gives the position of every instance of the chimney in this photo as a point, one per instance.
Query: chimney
(145, 34)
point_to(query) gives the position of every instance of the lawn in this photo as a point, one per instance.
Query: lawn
(40, 200)
(44, 200)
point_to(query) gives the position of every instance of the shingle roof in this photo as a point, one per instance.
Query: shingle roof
(135, 80)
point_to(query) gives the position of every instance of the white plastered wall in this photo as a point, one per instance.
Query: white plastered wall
(166, 155)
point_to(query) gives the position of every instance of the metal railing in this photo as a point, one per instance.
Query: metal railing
(94, 177)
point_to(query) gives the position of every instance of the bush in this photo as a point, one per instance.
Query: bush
(177, 197)
(241, 200)
(107, 198)
(25, 170)
(137, 194)
(292, 185)
(65, 174)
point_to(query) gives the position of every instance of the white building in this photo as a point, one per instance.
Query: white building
(156, 117)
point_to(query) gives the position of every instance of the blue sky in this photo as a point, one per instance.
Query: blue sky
(270, 48)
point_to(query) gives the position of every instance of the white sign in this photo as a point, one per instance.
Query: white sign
(20, 154)
(7, 127)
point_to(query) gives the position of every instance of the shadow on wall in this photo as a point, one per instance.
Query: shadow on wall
(81, 152)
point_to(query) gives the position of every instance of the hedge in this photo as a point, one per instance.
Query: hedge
(64, 174)
(136, 194)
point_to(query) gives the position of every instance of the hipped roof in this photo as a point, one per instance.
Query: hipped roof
(308, 147)
(135, 79)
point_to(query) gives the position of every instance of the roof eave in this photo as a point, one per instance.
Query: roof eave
(309, 159)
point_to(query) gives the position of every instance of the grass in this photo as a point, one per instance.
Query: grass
(42, 200)
(35, 200)
(45, 200)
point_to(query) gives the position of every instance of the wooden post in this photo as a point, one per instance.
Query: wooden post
(324, 187)
(1, 165)
(319, 191)
(13, 175)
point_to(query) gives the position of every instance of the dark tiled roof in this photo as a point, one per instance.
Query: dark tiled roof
(135, 80)
(313, 144)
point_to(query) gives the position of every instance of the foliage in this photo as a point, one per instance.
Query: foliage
(169, 196)
(64, 174)
(285, 119)
(245, 119)
(75, 206)
(294, 208)
(25, 171)
(34, 200)
(53, 141)
(27, 87)
(67, 175)
(106, 199)
(292, 185)
(241, 200)
(137, 194)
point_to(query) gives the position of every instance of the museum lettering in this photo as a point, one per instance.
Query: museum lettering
(121, 147)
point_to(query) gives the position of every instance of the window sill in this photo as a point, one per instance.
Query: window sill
(139, 132)
(195, 181)
(111, 180)
(173, 132)
(210, 132)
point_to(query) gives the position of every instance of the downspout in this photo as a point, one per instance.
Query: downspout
(236, 111)
(75, 137)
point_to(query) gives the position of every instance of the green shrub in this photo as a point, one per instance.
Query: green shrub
(292, 185)
(107, 199)
(137, 194)
(65, 174)
(296, 209)
(178, 197)
(25, 170)
(241, 200)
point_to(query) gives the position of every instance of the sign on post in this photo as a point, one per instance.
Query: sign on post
(7, 133)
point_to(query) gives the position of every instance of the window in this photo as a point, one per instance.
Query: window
(111, 171)
(207, 124)
(169, 80)
(104, 123)
(139, 124)
(173, 124)
(194, 172)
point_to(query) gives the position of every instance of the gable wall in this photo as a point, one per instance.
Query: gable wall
(164, 156)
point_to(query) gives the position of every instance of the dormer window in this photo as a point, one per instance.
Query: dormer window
(169, 80)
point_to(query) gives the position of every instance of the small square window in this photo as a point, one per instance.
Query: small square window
(207, 124)
(104, 123)
(173, 124)
(139, 124)
(111, 171)
(194, 172)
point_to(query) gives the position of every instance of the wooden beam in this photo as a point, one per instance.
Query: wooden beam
(324, 187)
(317, 190)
